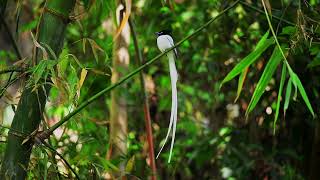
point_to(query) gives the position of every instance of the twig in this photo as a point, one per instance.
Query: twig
(111, 87)
(146, 102)
(11, 69)
(14, 43)
(262, 12)
(9, 83)
(63, 159)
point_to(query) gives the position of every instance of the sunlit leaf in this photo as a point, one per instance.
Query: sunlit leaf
(263, 44)
(283, 77)
(124, 19)
(266, 76)
(130, 164)
(241, 81)
(83, 76)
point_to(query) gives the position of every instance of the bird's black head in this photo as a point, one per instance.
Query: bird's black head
(164, 32)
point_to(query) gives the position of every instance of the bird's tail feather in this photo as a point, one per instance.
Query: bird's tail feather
(174, 105)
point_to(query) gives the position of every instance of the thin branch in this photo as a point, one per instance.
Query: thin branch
(130, 75)
(262, 12)
(10, 35)
(11, 69)
(146, 108)
(9, 83)
(63, 159)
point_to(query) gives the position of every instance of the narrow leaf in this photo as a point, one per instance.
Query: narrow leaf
(288, 95)
(124, 20)
(241, 81)
(266, 76)
(94, 47)
(297, 82)
(295, 91)
(263, 44)
(83, 76)
(50, 50)
(84, 40)
(283, 77)
(130, 164)
(44, 52)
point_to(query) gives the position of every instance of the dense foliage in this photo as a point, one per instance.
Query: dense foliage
(247, 108)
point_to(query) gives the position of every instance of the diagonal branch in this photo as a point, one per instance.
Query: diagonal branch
(47, 145)
(130, 75)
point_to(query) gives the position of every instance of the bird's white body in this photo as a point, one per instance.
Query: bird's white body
(165, 42)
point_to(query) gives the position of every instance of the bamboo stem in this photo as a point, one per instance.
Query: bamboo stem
(31, 105)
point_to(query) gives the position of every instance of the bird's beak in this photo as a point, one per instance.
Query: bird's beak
(156, 33)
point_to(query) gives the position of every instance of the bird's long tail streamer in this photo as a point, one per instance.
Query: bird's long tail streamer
(174, 105)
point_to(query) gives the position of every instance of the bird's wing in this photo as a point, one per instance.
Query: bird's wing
(172, 44)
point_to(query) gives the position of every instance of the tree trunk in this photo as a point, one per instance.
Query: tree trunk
(118, 109)
(27, 118)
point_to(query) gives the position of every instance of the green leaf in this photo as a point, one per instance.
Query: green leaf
(289, 30)
(263, 44)
(241, 81)
(266, 76)
(288, 95)
(41, 69)
(283, 77)
(130, 164)
(296, 81)
(53, 55)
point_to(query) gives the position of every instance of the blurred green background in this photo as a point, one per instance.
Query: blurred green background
(214, 138)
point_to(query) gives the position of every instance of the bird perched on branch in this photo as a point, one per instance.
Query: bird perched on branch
(164, 42)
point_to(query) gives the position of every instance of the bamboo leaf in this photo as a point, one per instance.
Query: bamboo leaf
(50, 51)
(297, 82)
(283, 77)
(295, 92)
(130, 164)
(44, 52)
(95, 47)
(83, 76)
(288, 95)
(125, 19)
(263, 44)
(241, 81)
(266, 76)
(84, 40)
(76, 60)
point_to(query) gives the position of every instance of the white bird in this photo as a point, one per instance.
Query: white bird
(164, 42)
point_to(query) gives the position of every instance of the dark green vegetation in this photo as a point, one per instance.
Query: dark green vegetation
(248, 89)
